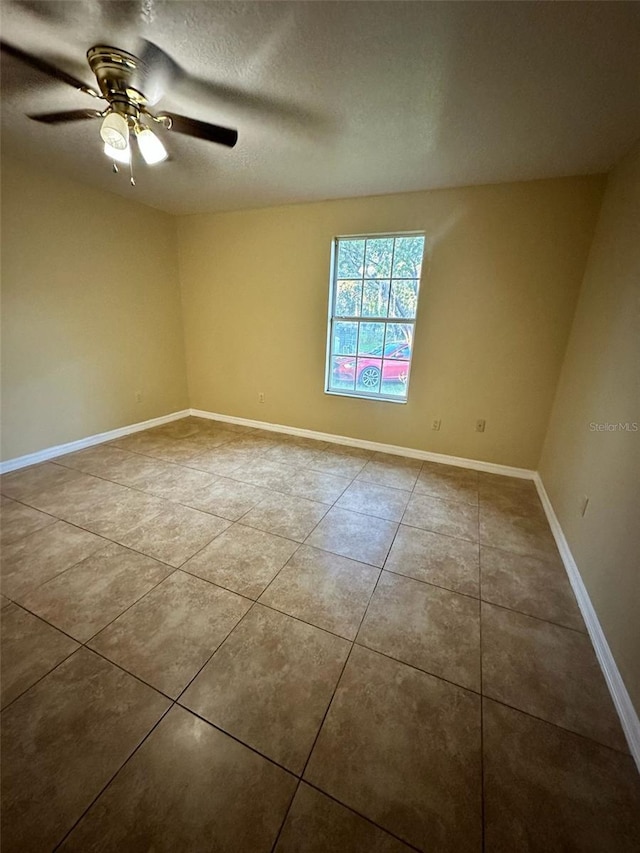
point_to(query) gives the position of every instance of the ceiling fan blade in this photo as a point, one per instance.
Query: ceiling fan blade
(156, 71)
(69, 115)
(202, 129)
(46, 67)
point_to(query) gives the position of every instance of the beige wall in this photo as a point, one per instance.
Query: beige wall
(504, 266)
(90, 312)
(600, 383)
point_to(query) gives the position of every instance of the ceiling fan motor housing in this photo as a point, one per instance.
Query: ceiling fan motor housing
(115, 71)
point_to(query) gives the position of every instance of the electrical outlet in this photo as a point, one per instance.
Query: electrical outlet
(480, 423)
(583, 505)
(261, 397)
(138, 396)
(435, 424)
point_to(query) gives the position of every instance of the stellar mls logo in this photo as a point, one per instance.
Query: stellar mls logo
(619, 427)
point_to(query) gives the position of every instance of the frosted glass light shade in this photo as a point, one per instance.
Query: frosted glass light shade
(151, 148)
(115, 131)
(120, 155)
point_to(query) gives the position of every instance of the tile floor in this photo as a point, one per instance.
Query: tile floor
(220, 639)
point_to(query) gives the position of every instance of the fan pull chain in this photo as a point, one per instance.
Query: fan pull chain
(132, 180)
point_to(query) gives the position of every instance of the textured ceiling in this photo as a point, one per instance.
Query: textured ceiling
(335, 99)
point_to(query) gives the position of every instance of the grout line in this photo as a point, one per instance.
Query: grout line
(228, 734)
(354, 811)
(418, 668)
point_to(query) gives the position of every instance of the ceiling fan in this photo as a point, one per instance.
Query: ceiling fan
(122, 78)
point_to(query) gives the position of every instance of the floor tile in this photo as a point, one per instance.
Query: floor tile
(268, 475)
(115, 464)
(536, 587)
(225, 459)
(236, 799)
(523, 534)
(428, 627)
(440, 516)
(403, 749)
(177, 483)
(146, 442)
(18, 520)
(258, 441)
(550, 791)
(512, 518)
(270, 683)
(318, 824)
(174, 534)
(227, 498)
(293, 455)
(286, 516)
(397, 474)
(548, 671)
(337, 463)
(352, 534)
(169, 634)
(316, 486)
(32, 560)
(448, 482)
(62, 742)
(30, 649)
(431, 557)
(100, 506)
(372, 499)
(26, 482)
(324, 589)
(85, 598)
(497, 488)
(242, 559)
(180, 428)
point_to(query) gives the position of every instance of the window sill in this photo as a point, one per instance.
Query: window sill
(374, 399)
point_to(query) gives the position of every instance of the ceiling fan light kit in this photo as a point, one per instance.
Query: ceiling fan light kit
(115, 131)
(121, 77)
(151, 147)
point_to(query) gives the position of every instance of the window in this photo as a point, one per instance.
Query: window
(372, 315)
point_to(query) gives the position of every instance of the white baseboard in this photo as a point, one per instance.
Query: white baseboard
(80, 444)
(619, 694)
(427, 455)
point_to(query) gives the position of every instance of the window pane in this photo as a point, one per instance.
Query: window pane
(407, 258)
(368, 374)
(371, 339)
(404, 298)
(350, 258)
(348, 295)
(375, 298)
(395, 376)
(343, 373)
(399, 335)
(378, 258)
(345, 338)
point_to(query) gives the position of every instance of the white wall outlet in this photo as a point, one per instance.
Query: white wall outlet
(584, 503)
(261, 397)
(435, 424)
(480, 424)
(138, 396)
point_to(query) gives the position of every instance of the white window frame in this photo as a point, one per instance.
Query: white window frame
(333, 282)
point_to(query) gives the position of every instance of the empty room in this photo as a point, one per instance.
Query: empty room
(320, 426)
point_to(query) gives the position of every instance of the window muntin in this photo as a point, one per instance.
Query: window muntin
(373, 305)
